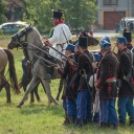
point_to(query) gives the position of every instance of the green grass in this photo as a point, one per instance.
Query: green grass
(41, 118)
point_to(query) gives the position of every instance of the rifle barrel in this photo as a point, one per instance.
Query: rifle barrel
(60, 53)
(49, 62)
(45, 52)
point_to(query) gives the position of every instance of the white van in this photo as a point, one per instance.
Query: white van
(125, 24)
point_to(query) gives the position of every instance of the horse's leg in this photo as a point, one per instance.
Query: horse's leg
(4, 84)
(59, 89)
(36, 92)
(48, 92)
(8, 95)
(32, 96)
(31, 86)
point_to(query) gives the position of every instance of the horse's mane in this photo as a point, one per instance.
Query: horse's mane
(38, 33)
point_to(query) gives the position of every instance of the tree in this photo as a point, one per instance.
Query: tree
(79, 13)
(3, 10)
(40, 13)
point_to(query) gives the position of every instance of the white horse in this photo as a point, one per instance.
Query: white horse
(39, 72)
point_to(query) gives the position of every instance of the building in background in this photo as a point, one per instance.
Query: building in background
(110, 12)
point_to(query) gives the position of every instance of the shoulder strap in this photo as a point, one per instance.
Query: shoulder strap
(129, 73)
(88, 59)
(65, 35)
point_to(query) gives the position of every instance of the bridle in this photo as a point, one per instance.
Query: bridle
(16, 42)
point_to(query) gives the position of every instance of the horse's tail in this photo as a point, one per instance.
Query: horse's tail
(12, 71)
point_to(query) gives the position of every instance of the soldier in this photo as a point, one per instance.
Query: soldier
(61, 34)
(83, 102)
(106, 85)
(125, 101)
(128, 36)
(71, 82)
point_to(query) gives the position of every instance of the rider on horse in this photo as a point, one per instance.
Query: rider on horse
(61, 34)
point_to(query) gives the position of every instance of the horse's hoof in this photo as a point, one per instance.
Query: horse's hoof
(39, 100)
(31, 101)
(20, 105)
(8, 102)
(57, 99)
(49, 102)
(56, 102)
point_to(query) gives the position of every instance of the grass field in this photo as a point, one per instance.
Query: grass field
(41, 118)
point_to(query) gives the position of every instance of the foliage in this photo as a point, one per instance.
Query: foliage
(3, 10)
(39, 12)
(78, 13)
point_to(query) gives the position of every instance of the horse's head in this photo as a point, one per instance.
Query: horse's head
(19, 37)
(91, 40)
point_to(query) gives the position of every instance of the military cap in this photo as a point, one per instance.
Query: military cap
(57, 14)
(127, 35)
(70, 47)
(83, 42)
(121, 40)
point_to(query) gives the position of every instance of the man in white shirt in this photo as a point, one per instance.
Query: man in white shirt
(61, 35)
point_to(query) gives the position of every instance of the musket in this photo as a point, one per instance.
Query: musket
(60, 53)
(46, 52)
(49, 62)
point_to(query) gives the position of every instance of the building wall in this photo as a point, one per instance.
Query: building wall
(132, 7)
(123, 5)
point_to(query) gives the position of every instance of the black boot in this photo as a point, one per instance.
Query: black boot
(115, 126)
(71, 119)
(104, 125)
(66, 121)
(131, 123)
(80, 123)
(89, 120)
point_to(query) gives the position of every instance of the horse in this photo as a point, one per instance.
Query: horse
(25, 80)
(31, 35)
(5, 57)
(26, 77)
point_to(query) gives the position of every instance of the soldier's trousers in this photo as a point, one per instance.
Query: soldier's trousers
(83, 105)
(125, 104)
(71, 106)
(107, 112)
(64, 105)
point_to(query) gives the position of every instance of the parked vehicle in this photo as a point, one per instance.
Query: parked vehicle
(12, 27)
(127, 23)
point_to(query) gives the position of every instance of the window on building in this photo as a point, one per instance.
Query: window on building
(110, 2)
